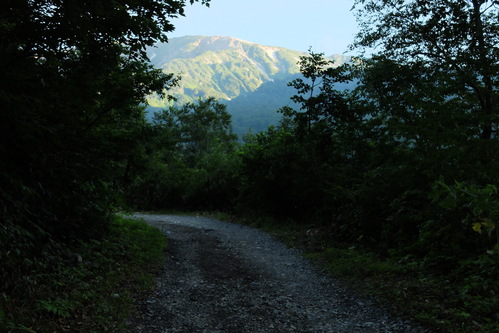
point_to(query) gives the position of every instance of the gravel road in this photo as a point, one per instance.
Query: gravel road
(223, 277)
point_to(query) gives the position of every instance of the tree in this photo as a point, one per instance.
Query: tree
(433, 83)
(453, 38)
(72, 76)
(200, 127)
(302, 167)
(191, 159)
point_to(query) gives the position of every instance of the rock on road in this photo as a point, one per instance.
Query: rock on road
(223, 277)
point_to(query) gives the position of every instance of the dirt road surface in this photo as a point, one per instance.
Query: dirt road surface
(223, 277)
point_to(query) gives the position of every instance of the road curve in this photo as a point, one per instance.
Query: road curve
(223, 277)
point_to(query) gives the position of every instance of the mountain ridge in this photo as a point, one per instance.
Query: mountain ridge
(230, 70)
(222, 67)
(196, 45)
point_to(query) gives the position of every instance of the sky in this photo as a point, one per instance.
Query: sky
(327, 26)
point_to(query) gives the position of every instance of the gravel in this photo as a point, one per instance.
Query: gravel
(223, 277)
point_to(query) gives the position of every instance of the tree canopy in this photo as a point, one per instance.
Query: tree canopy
(189, 159)
(73, 74)
(452, 40)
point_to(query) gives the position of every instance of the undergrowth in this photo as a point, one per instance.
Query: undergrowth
(88, 287)
(462, 301)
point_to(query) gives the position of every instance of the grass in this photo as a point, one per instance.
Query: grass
(88, 288)
(438, 302)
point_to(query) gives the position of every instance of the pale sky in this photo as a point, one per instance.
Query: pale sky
(328, 26)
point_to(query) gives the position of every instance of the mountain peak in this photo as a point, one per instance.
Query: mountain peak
(230, 69)
(193, 46)
(221, 67)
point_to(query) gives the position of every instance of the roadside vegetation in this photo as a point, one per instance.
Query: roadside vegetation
(73, 81)
(406, 285)
(88, 286)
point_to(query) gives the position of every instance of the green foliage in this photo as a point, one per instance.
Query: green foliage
(482, 204)
(146, 245)
(190, 159)
(454, 38)
(370, 164)
(88, 287)
(58, 307)
(371, 155)
(479, 208)
(437, 302)
(73, 76)
(269, 180)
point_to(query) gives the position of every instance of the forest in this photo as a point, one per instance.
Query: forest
(404, 164)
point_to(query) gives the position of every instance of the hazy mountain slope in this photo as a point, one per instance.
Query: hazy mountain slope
(221, 67)
(257, 110)
(250, 78)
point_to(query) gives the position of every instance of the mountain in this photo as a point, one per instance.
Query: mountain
(250, 78)
(259, 109)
